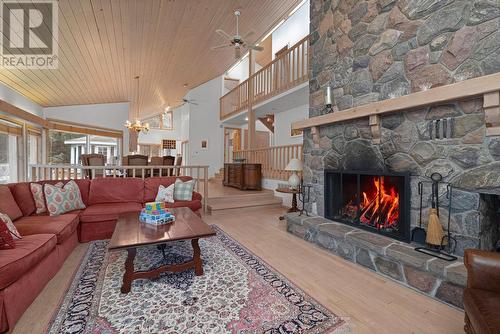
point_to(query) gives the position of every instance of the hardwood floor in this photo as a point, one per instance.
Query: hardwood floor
(371, 303)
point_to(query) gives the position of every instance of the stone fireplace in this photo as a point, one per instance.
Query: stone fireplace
(402, 75)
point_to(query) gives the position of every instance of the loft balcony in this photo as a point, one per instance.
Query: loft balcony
(285, 72)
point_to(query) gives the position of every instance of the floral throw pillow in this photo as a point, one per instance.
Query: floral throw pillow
(39, 198)
(6, 238)
(165, 194)
(63, 199)
(183, 191)
(10, 226)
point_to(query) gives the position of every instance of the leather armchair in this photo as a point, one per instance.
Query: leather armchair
(482, 295)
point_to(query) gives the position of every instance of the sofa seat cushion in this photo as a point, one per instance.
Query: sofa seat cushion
(29, 251)
(482, 308)
(62, 226)
(194, 205)
(109, 211)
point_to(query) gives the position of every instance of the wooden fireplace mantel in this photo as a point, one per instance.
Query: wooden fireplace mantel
(487, 86)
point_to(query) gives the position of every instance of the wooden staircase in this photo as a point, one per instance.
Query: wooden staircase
(250, 201)
(219, 176)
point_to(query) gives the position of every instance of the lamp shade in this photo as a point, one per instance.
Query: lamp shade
(294, 165)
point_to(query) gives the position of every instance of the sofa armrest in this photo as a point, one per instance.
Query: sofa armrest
(483, 269)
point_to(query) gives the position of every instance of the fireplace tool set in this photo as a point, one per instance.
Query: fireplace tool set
(304, 197)
(439, 243)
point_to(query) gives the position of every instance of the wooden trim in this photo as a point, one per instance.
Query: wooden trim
(11, 130)
(22, 114)
(457, 91)
(69, 127)
(55, 120)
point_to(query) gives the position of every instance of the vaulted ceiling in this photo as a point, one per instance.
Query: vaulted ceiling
(104, 44)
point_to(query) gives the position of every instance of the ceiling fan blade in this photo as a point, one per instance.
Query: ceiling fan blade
(220, 46)
(224, 34)
(255, 47)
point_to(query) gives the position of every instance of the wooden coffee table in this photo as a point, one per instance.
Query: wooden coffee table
(131, 234)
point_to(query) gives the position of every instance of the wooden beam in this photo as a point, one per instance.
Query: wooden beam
(491, 106)
(375, 128)
(22, 114)
(84, 130)
(457, 91)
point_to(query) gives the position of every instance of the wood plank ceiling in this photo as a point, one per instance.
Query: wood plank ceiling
(104, 44)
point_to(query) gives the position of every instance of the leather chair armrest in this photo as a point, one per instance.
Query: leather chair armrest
(483, 269)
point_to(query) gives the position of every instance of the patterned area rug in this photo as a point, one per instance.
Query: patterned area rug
(238, 293)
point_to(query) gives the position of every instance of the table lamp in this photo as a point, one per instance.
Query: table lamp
(295, 165)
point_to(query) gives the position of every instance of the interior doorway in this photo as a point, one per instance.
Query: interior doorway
(232, 143)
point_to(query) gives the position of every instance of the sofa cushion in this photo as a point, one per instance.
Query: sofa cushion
(24, 198)
(64, 199)
(481, 307)
(194, 205)
(29, 251)
(152, 184)
(116, 190)
(62, 226)
(8, 204)
(107, 211)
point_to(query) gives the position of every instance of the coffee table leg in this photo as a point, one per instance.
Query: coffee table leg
(198, 267)
(129, 271)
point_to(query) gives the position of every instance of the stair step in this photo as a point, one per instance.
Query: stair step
(243, 201)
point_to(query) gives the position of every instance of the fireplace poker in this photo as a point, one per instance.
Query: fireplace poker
(418, 234)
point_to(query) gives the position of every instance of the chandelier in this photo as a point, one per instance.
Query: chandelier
(137, 125)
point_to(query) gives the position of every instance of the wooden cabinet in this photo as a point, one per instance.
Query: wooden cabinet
(243, 176)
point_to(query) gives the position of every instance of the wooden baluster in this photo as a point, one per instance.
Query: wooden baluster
(205, 187)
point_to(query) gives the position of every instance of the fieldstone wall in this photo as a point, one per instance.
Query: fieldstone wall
(370, 50)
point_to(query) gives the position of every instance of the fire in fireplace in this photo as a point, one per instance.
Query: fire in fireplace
(377, 202)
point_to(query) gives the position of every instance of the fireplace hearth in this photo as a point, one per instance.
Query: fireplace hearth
(372, 201)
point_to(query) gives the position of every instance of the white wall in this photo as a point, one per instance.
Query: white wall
(204, 124)
(283, 122)
(107, 115)
(11, 96)
(293, 29)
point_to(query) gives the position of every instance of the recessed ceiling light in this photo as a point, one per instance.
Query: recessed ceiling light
(185, 85)
(246, 119)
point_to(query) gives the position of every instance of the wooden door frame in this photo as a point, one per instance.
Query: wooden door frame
(229, 128)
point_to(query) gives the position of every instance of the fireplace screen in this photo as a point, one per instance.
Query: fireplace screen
(372, 201)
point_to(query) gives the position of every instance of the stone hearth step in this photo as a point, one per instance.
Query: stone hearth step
(227, 204)
(439, 279)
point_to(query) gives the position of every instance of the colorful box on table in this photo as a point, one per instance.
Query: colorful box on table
(154, 206)
(156, 213)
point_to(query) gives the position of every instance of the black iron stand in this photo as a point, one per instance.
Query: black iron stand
(304, 198)
(448, 242)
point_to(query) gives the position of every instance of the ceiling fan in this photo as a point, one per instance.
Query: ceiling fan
(188, 101)
(236, 41)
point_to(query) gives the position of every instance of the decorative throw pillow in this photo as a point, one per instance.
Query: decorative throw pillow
(62, 200)
(10, 226)
(165, 194)
(183, 191)
(6, 238)
(39, 198)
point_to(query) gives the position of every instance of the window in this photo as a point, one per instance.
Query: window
(8, 158)
(67, 148)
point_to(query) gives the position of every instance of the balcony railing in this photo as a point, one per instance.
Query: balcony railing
(66, 172)
(286, 71)
(273, 159)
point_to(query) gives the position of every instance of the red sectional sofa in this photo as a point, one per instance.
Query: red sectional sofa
(47, 241)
